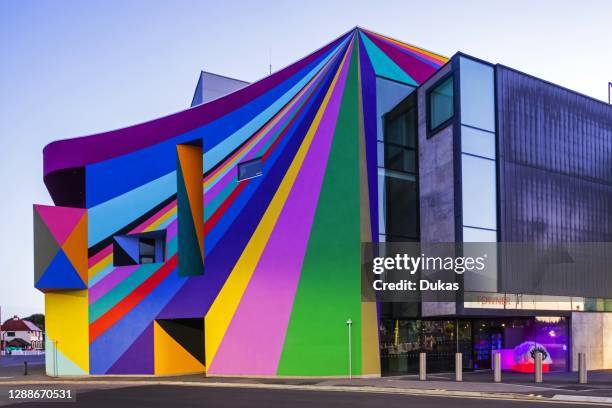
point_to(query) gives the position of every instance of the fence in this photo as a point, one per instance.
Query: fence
(23, 352)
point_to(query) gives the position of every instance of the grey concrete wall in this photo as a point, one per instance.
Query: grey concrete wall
(592, 334)
(436, 186)
(436, 174)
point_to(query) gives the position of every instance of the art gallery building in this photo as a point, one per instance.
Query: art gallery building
(227, 238)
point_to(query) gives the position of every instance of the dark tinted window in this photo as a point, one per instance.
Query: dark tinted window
(250, 169)
(401, 129)
(146, 250)
(142, 248)
(402, 207)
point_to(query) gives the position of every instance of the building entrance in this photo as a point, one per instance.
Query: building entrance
(516, 339)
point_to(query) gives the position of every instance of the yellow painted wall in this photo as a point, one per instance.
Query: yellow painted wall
(67, 327)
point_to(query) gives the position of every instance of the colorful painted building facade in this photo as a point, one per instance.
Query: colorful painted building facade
(225, 238)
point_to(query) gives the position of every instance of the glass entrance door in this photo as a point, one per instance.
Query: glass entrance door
(487, 338)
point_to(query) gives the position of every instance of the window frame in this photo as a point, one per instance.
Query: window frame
(433, 131)
(407, 106)
(404, 107)
(255, 159)
(155, 236)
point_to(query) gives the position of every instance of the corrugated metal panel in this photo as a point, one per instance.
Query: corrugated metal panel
(555, 170)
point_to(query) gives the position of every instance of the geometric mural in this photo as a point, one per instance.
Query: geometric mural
(179, 346)
(262, 272)
(66, 336)
(60, 261)
(190, 212)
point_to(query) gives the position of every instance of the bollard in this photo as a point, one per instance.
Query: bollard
(582, 368)
(422, 366)
(458, 367)
(496, 367)
(25, 368)
(538, 366)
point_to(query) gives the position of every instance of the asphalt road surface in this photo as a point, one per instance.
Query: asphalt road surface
(212, 397)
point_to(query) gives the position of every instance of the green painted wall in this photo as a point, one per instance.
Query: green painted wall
(329, 289)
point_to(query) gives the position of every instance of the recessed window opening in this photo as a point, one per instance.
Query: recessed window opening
(441, 104)
(250, 168)
(139, 249)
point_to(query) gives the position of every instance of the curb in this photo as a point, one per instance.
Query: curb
(557, 399)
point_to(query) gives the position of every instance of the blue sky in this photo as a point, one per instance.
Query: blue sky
(70, 68)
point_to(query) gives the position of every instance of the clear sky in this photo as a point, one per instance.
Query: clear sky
(71, 68)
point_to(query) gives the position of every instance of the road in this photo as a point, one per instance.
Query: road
(212, 397)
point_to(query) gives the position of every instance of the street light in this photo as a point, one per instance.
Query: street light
(609, 92)
(349, 323)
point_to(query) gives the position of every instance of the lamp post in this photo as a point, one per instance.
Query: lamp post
(349, 323)
(609, 92)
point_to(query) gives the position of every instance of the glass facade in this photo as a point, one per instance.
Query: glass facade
(397, 163)
(478, 142)
(441, 103)
(478, 161)
(516, 338)
(479, 193)
(477, 94)
(398, 175)
(403, 333)
(402, 340)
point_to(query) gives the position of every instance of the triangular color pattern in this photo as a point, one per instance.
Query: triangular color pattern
(45, 247)
(75, 248)
(383, 65)
(56, 363)
(138, 358)
(171, 358)
(60, 220)
(60, 275)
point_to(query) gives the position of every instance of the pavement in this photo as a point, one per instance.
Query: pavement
(213, 397)
(17, 361)
(515, 387)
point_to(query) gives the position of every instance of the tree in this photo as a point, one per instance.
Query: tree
(38, 319)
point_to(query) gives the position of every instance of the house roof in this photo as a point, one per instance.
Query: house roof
(18, 342)
(17, 324)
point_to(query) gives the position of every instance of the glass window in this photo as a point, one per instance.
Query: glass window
(401, 130)
(400, 158)
(441, 107)
(146, 250)
(479, 192)
(399, 149)
(250, 169)
(138, 249)
(388, 95)
(484, 280)
(401, 207)
(477, 142)
(10, 334)
(479, 235)
(477, 94)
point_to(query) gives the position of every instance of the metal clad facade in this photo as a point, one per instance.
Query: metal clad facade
(555, 171)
